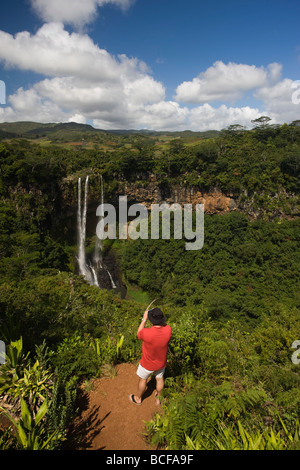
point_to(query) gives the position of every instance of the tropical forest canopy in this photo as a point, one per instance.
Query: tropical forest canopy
(233, 305)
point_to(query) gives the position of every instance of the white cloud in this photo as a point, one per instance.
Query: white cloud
(83, 80)
(77, 118)
(75, 12)
(28, 105)
(86, 83)
(71, 93)
(222, 82)
(278, 101)
(53, 51)
(207, 117)
(165, 115)
(143, 89)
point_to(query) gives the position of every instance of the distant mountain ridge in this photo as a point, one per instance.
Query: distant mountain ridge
(30, 129)
(27, 128)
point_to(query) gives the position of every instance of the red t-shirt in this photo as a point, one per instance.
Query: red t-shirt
(155, 346)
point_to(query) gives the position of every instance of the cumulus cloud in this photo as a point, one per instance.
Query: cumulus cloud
(228, 83)
(207, 117)
(29, 105)
(75, 12)
(278, 100)
(225, 82)
(165, 115)
(54, 51)
(82, 79)
(85, 83)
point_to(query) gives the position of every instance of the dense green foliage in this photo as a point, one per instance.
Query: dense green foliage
(243, 269)
(263, 161)
(233, 305)
(226, 380)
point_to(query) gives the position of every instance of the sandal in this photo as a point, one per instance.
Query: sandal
(131, 398)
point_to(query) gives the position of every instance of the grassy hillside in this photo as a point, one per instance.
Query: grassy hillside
(74, 132)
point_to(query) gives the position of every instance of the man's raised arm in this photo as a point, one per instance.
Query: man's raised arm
(142, 324)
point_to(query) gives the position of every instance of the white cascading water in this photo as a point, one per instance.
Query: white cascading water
(81, 226)
(94, 275)
(97, 258)
(89, 271)
(113, 285)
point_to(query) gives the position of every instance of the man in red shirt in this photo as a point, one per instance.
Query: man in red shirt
(154, 353)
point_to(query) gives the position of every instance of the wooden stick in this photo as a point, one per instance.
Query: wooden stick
(152, 303)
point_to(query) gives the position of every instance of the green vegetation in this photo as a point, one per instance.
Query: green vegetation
(243, 269)
(233, 306)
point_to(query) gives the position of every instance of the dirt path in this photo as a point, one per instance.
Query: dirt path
(108, 420)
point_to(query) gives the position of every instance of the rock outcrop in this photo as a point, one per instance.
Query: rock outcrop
(215, 202)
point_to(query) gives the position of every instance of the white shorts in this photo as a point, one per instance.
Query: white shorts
(144, 373)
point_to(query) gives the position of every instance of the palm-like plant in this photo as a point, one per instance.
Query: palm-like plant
(29, 431)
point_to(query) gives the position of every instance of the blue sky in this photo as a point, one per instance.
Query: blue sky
(157, 64)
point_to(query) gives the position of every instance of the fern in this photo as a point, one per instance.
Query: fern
(197, 419)
(239, 403)
(183, 418)
(240, 438)
(228, 402)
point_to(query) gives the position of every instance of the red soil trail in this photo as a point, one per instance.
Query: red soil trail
(108, 420)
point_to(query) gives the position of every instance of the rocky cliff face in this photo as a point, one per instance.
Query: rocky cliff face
(144, 192)
(152, 191)
(215, 202)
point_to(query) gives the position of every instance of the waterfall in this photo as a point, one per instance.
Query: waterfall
(95, 279)
(81, 226)
(89, 271)
(97, 258)
(113, 285)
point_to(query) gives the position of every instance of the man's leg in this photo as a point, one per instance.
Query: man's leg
(143, 375)
(159, 387)
(142, 383)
